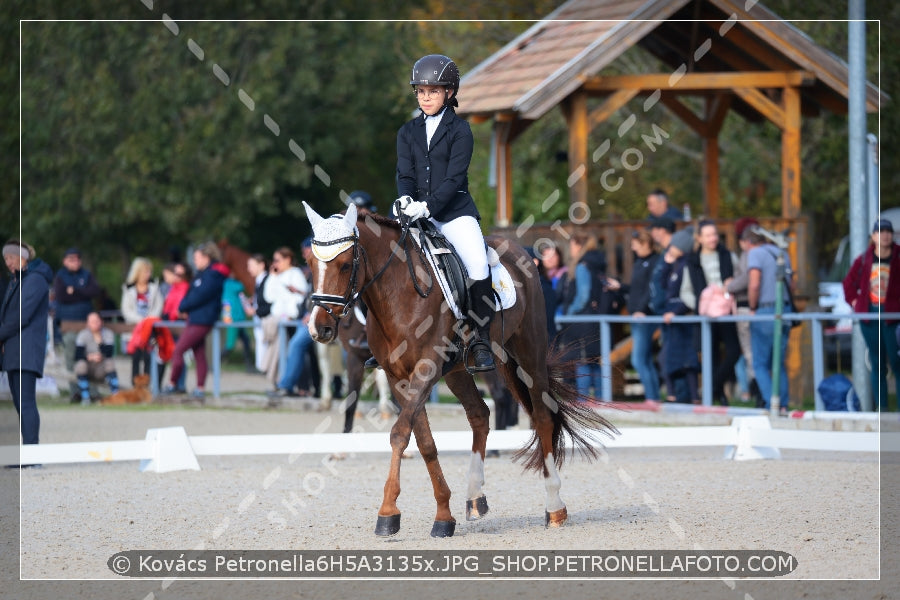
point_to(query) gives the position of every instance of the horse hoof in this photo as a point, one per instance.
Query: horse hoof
(387, 526)
(556, 518)
(443, 529)
(477, 508)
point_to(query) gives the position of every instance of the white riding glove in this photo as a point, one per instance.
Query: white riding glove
(402, 201)
(416, 210)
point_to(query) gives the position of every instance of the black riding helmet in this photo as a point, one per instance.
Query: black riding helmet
(362, 199)
(436, 69)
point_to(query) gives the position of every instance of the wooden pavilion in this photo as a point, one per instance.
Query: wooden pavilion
(735, 58)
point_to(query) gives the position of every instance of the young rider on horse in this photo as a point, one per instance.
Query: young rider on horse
(433, 154)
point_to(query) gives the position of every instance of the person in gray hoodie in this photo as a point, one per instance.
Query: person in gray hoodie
(23, 331)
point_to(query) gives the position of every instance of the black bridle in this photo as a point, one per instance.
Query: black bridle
(345, 302)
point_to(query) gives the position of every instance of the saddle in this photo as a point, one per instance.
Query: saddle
(449, 268)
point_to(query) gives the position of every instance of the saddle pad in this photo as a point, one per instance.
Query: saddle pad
(501, 280)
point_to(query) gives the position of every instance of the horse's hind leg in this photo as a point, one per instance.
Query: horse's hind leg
(463, 387)
(354, 385)
(530, 381)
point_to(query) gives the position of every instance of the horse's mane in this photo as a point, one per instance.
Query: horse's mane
(379, 220)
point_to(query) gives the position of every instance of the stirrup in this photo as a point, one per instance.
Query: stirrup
(371, 363)
(474, 349)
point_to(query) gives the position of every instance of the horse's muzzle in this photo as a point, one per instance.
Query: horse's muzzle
(323, 330)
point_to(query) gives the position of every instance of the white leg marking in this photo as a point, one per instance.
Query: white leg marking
(476, 476)
(384, 391)
(552, 482)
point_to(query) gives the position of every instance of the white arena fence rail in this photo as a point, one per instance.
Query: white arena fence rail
(171, 449)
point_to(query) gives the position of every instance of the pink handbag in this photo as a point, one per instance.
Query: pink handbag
(716, 302)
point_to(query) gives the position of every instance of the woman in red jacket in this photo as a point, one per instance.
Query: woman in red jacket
(873, 286)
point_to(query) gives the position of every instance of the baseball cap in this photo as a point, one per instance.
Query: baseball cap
(663, 223)
(362, 199)
(883, 225)
(72, 250)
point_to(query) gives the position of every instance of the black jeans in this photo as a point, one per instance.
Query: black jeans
(23, 385)
(726, 351)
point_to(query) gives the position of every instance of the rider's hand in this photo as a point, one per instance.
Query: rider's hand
(416, 210)
(403, 201)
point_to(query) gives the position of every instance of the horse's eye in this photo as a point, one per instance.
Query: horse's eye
(345, 267)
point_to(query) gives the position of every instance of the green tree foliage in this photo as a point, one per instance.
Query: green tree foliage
(138, 135)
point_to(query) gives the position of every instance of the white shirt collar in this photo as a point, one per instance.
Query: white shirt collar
(431, 124)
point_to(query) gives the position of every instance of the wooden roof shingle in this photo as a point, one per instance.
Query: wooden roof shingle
(542, 66)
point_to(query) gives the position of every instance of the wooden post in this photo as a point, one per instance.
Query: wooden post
(503, 162)
(577, 121)
(790, 154)
(716, 110)
(711, 177)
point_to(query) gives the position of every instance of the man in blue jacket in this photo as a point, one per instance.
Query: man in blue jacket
(74, 290)
(23, 331)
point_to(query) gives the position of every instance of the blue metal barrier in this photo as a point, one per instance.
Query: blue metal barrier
(815, 320)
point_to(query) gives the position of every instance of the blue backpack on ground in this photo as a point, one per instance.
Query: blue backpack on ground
(837, 394)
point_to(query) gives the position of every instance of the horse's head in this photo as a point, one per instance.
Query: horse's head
(335, 270)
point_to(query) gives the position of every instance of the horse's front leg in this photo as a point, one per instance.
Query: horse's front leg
(444, 523)
(388, 522)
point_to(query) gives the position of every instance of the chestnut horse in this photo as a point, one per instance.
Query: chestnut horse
(412, 334)
(236, 259)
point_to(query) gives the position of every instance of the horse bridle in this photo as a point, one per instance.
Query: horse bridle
(351, 296)
(345, 302)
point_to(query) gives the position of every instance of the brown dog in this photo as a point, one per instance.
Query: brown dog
(139, 395)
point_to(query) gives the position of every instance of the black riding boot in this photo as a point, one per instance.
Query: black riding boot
(480, 314)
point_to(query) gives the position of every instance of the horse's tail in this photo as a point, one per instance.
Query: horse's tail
(575, 422)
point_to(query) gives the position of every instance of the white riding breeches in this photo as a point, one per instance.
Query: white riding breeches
(465, 235)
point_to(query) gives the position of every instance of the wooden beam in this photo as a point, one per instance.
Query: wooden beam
(613, 103)
(684, 113)
(478, 119)
(760, 102)
(790, 154)
(700, 81)
(716, 110)
(575, 109)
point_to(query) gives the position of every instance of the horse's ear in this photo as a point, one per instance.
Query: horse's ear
(313, 216)
(350, 216)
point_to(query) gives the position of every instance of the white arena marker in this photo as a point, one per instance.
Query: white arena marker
(170, 451)
(746, 448)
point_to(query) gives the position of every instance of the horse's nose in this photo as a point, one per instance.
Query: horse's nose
(326, 334)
